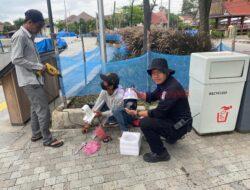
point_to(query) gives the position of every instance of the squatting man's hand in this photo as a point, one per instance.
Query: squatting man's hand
(131, 112)
(98, 113)
(135, 112)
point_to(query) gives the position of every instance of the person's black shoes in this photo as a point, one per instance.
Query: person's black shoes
(153, 157)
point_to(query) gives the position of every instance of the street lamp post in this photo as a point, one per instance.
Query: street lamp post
(102, 34)
(53, 37)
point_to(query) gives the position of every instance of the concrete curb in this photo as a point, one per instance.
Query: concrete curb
(67, 118)
(72, 118)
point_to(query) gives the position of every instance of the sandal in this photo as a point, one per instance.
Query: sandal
(54, 143)
(36, 138)
(85, 129)
(107, 139)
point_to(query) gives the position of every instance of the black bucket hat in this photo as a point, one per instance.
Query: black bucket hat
(161, 65)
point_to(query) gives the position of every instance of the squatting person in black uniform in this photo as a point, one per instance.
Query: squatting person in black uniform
(172, 107)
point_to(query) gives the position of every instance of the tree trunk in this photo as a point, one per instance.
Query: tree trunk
(204, 10)
(147, 23)
(131, 14)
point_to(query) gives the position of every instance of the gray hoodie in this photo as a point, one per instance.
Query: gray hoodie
(113, 101)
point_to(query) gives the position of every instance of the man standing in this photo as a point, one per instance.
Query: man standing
(172, 108)
(27, 62)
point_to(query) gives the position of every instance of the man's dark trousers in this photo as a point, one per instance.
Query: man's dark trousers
(154, 128)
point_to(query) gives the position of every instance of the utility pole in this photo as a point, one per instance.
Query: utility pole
(102, 34)
(168, 14)
(65, 15)
(96, 23)
(51, 24)
(53, 37)
(114, 15)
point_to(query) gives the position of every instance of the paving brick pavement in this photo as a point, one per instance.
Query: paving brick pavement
(218, 162)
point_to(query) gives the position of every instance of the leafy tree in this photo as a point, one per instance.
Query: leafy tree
(74, 27)
(124, 16)
(91, 25)
(189, 7)
(7, 27)
(60, 25)
(108, 23)
(19, 22)
(83, 26)
(174, 20)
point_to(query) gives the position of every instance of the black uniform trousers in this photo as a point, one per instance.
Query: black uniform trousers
(154, 128)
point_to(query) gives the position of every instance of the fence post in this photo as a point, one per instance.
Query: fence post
(84, 59)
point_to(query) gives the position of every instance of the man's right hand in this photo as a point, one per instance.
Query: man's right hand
(98, 113)
(44, 68)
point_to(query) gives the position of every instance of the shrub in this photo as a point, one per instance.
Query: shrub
(216, 34)
(165, 41)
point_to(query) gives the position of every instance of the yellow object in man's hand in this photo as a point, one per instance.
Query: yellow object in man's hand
(51, 70)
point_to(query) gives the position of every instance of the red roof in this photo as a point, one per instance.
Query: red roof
(237, 7)
(159, 18)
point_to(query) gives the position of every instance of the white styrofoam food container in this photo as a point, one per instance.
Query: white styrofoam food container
(89, 114)
(130, 143)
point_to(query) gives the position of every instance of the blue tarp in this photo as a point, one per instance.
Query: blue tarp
(66, 34)
(61, 43)
(191, 32)
(72, 69)
(46, 45)
(40, 36)
(111, 37)
(222, 47)
(2, 36)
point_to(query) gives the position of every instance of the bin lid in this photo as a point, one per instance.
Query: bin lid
(219, 67)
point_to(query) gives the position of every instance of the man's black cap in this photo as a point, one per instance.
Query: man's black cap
(161, 65)
(110, 78)
(34, 15)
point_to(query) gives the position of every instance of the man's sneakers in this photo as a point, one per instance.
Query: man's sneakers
(153, 157)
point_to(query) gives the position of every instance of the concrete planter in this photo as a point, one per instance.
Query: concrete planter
(67, 118)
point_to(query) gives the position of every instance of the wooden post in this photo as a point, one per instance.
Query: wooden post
(242, 24)
(228, 21)
(216, 23)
